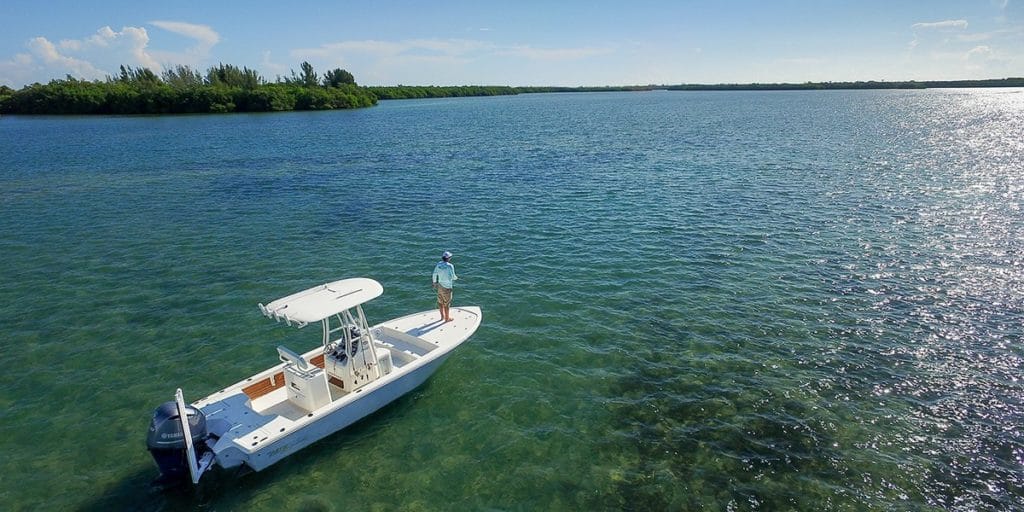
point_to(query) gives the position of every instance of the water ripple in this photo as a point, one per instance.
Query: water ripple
(739, 301)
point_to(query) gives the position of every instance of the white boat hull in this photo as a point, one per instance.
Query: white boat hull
(258, 431)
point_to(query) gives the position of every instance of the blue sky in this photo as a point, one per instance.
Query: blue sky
(569, 43)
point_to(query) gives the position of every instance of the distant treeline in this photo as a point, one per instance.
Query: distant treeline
(402, 92)
(607, 88)
(405, 92)
(408, 92)
(928, 84)
(223, 88)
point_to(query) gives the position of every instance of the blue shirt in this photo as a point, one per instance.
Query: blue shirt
(444, 274)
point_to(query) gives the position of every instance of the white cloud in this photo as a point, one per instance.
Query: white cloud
(205, 37)
(982, 58)
(43, 49)
(979, 53)
(941, 24)
(973, 38)
(103, 37)
(101, 53)
(71, 44)
(90, 58)
(130, 40)
(16, 71)
(931, 33)
(136, 39)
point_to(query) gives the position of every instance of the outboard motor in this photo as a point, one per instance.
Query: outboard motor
(166, 441)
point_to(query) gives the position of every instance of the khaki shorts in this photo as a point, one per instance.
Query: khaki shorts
(444, 296)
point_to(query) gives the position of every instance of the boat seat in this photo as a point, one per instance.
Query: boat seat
(286, 355)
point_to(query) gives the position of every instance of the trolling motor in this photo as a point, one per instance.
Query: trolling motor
(174, 444)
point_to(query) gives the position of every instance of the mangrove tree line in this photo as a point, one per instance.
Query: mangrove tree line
(182, 89)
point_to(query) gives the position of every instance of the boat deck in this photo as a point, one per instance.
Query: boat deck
(277, 404)
(427, 325)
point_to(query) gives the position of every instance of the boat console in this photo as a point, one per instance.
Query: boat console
(359, 366)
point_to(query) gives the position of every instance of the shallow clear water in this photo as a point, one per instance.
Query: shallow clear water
(711, 300)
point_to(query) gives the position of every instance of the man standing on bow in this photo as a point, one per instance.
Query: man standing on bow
(443, 278)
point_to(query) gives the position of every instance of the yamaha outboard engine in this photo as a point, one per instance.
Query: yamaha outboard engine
(166, 441)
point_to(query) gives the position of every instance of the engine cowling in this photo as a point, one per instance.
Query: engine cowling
(166, 440)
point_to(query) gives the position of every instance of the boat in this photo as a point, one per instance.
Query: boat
(356, 370)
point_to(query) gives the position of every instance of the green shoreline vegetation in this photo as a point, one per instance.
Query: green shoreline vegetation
(227, 88)
(183, 90)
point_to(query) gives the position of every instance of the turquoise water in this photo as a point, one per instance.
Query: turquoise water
(692, 301)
